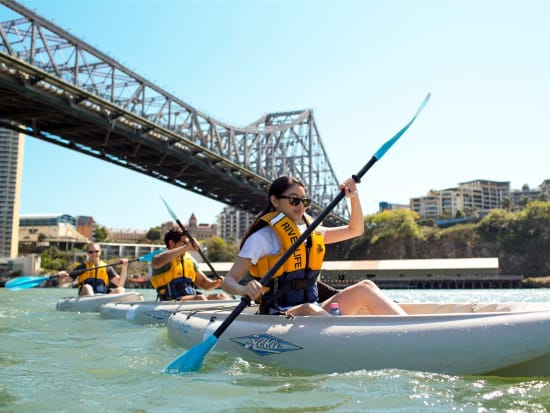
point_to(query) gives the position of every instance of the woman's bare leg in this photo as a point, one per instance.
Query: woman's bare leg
(364, 294)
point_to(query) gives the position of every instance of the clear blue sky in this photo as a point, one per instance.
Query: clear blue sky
(362, 66)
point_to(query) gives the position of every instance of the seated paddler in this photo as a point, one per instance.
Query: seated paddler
(294, 289)
(94, 276)
(176, 274)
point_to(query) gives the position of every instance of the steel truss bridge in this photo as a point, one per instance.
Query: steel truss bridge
(57, 88)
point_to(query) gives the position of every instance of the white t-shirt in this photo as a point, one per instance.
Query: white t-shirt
(265, 242)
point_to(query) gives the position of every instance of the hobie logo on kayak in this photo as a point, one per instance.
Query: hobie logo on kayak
(264, 344)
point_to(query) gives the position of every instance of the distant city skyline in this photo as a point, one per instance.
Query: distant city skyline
(185, 220)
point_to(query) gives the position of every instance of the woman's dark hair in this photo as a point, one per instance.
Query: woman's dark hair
(278, 187)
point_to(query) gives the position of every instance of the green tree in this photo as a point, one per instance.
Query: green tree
(388, 234)
(523, 201)
(53, 259)
(506, 203)
(219, 250)
(532, 232)
(153, 234)
(101, 234)
(497, 226)
(391, 224)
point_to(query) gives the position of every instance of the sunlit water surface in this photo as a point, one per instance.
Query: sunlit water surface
(52, 361)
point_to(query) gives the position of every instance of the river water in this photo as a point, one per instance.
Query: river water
(52, 361)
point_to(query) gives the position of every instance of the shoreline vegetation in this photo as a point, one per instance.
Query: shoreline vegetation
(520, 240)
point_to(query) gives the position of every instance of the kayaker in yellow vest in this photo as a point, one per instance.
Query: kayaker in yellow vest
(92, 280)
(175, 272)
(293, 288)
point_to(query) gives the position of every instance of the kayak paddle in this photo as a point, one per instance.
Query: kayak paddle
(29, 281)
(20, 283)
(186, 232)
(144, 258)
(192, 360)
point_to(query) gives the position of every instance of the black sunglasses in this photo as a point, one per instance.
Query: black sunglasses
(295, 201)
(92, 252)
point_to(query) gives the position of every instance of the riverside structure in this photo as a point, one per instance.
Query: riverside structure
(417, 273)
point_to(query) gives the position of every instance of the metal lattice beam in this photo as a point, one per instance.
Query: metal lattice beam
(57, 88)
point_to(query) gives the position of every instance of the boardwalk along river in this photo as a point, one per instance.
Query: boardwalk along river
(52, 361)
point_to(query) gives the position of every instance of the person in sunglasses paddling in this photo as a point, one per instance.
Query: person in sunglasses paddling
(293, 289)
(175, 272)
(94, 276)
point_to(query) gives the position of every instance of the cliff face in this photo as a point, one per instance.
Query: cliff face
(532, 260)
(521, 240)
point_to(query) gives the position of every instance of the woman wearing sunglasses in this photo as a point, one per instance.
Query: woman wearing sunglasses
(293, 288)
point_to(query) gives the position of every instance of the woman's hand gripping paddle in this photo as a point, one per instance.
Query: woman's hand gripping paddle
(192, 360)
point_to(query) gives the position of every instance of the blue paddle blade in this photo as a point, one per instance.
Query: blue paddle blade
(384, 148)
(172, 213)
(193, 358)
(149, 257)
(20, 283)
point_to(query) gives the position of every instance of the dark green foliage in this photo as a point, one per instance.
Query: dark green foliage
(101, 234)
(218, 250)
(153, 234)
(521, 240)
(53, 259)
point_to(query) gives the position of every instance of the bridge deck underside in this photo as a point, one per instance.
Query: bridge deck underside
(59, 121)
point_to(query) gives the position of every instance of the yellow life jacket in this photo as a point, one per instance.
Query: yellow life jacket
(288, 232)
(176, 278)
(98, 278)
(295, 281)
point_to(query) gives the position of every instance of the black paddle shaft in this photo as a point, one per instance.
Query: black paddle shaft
(78, 272)
(194, 244)
(193, 358)
(245, 301)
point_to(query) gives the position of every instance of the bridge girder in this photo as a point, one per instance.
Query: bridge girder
(59, 89)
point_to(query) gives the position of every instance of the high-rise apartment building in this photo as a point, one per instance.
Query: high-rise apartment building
(232, 224)
(11, 171)
(478, 196)
(428, 206)
(485, 194)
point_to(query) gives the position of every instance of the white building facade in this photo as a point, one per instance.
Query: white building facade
(11, 170)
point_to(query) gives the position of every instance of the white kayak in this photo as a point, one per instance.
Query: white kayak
(91, 303)
(504, 339)
(157, 312)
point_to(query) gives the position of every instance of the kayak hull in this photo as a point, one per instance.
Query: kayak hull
(91, 303)
(158, 312)
(508, 339)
